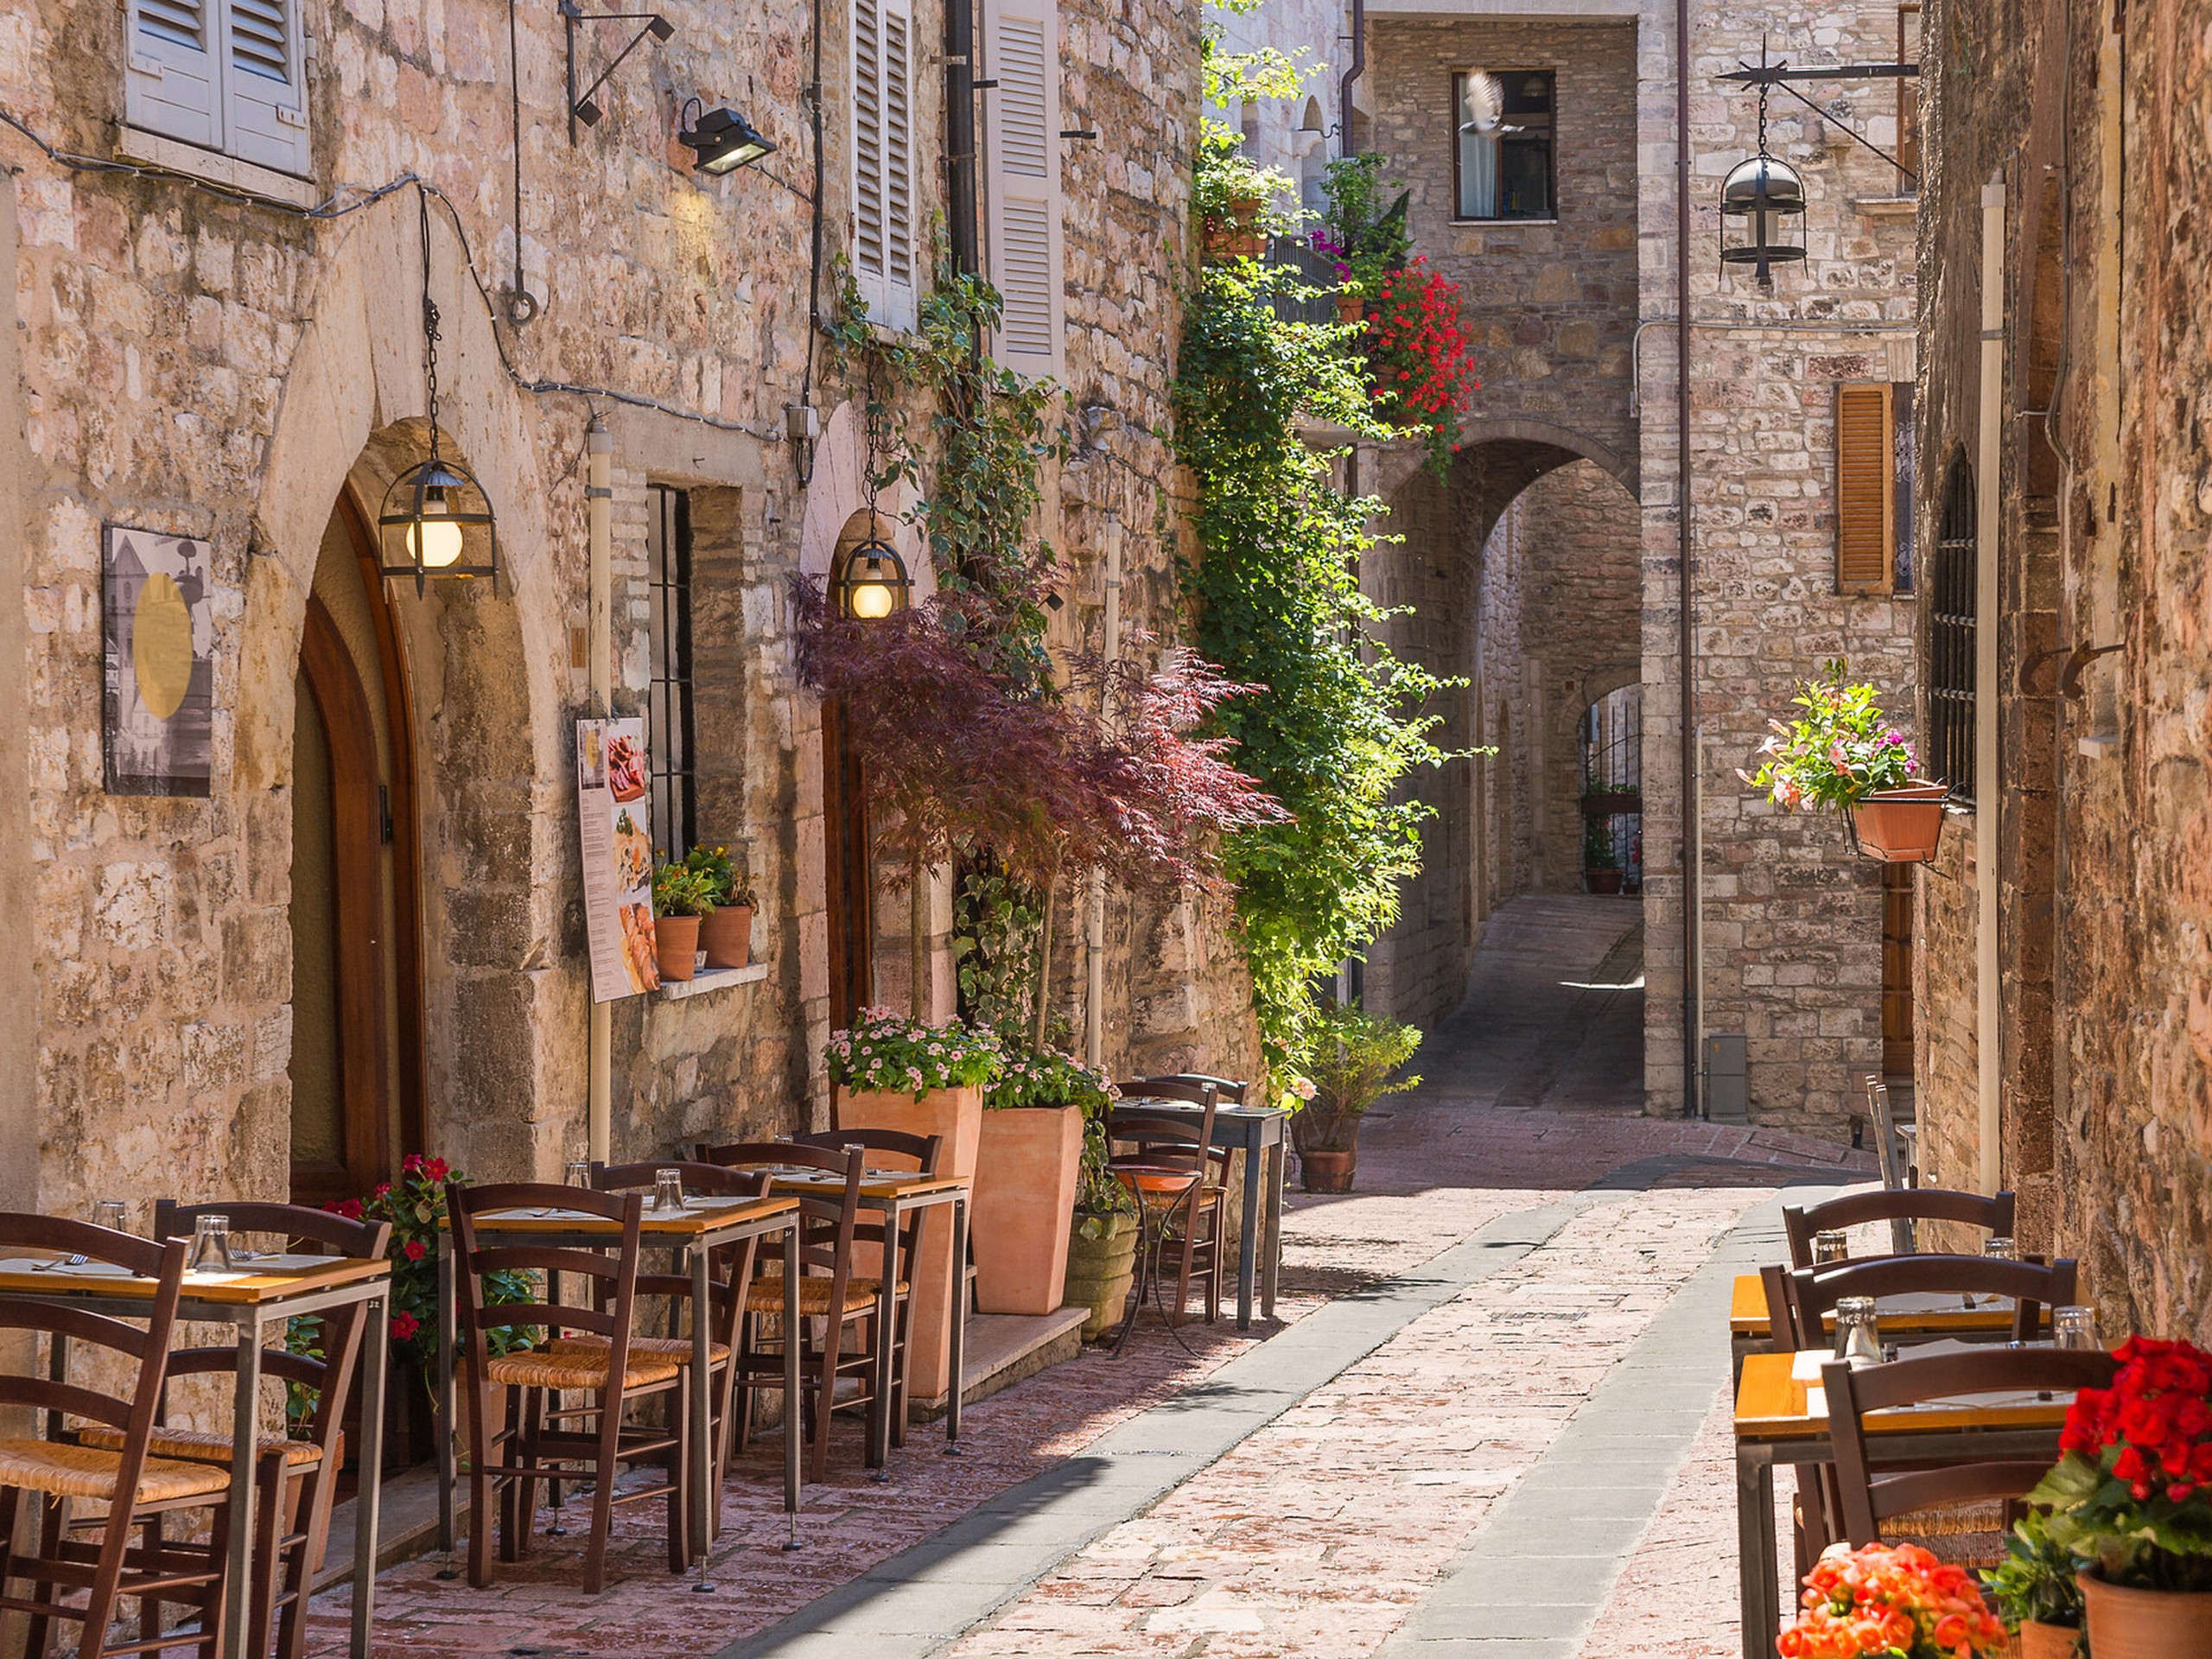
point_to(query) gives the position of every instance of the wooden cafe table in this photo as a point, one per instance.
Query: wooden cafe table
(1781, 1417)
(892, 1193)
(1257, 1132)
(256, 1298)
(1918, 1316)
(707, 1223)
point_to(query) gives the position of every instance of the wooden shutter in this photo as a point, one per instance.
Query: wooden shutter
(264, 74)
(1865, 488)
(170, 86)
(883, 159)
(1022, 131)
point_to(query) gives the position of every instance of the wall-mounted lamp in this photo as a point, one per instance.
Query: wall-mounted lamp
(582, 107)
(724, 140)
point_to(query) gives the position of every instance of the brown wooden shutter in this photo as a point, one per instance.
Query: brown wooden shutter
(1865, 488)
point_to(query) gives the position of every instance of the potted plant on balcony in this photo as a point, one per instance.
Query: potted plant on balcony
(1601, 860)
(1102, 1241)
(1891, 1602)
(1364, 237)
(2035, 1590)
(1027, 1168)
(1842, 755)
(683, 898)
(2131, 1499)
(1349, 1056)
(725, 933)
(1230, 201)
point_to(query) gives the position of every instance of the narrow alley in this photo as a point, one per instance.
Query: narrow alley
(1493, 1427)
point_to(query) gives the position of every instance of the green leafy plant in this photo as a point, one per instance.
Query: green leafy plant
(1841, 749)
(1366, 238)
(885, 1052)
(1598, 852)
(725, 887)
(2036, 1580)
(1348, 1056)
(303, 1337)
(996, 924)
(1043, 1077)
(679, 890)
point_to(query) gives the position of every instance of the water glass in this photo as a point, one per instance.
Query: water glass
(108, 1213)
(210, 1244)
(1830, 1249)
(1858, 1333)
(1999, 1248)
(667, 1191)
(575, 1173)
(2074, 1326)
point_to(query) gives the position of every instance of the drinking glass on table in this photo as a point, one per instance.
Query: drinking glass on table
(2074, 1326)
(1858, 1333)
(1999, 1248)
(667, 1191)
(210, 1244)
(107, 1212)
(1830, 1248)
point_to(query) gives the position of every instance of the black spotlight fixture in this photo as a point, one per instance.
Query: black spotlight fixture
(725, 141)
(872, 582)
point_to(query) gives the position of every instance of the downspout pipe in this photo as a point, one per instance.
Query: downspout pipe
(960, 215)
(1988, 805)
(1094, 988)
(1693, 967)
(599, 494)
(1358, 68)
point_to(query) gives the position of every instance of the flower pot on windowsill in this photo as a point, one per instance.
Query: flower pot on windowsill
(676, 944)
(726, 937)
(2130, 1623)
(1900, 826)
(1602, 881)
(1027, 1164)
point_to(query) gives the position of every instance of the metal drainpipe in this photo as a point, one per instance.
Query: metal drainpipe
(1693, 967)
(960, 134)
(599, 493)
(1358, 68)
(1094, 992)
(1988, 803)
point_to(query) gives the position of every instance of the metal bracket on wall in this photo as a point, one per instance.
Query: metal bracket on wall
(2067, 683)
(580, 106)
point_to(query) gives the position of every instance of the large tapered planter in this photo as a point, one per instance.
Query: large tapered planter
(1900, 826)
(955, 1115)
(1102, 1257)
(1026, 1170)
(2126, 1624)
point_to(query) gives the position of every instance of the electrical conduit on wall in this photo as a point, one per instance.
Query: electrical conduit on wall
(1988, 1034)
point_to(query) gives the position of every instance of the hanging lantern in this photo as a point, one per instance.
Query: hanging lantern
(872, 582)
(1763, 216)
(436, 519)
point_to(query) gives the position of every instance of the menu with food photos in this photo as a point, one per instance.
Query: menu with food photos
(616, 828)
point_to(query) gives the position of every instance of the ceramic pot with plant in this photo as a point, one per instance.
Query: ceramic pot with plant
(1891, 1602)
(1349, 1057)
(1601, 859)
(890, 1072)
(1231, 198)
(726, 935)
(1102, 1255)
(2035, 1592)
(1842, 755)
(1028, 1163)
(683, 898)
(2132, 1500)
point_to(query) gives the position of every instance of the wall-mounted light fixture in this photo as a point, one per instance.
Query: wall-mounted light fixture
(724, 140)
(583, 106)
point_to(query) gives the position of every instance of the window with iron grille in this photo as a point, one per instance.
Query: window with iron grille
(667, 707)
(1951, 636)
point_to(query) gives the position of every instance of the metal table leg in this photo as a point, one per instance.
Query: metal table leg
(794, 1410)
(958, 1336)
(367, 1496)
(1247, 1240)
(705, 1501)
(442, 1426)
(886, 1312)
(1755, 1548)
(246, 1441)
(1271, 1263)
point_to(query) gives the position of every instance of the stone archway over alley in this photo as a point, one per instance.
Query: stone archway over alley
(1491, 1421)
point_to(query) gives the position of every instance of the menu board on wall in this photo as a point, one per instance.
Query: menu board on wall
(616, 828)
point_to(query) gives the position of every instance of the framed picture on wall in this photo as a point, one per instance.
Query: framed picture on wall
(157, 596)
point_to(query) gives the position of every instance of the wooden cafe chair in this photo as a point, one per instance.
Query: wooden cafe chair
(830, 1291)
(726, 1282)
(2033, 1286)
(1169, 1168)
(125, 1485)
(1802, 1222)
(581, 1291)
(1921, 1503)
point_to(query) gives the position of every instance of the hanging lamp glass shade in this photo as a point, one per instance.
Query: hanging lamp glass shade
(1762, 216)
(872, 584)
(437, 521)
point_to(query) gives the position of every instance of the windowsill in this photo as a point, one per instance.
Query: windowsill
(135, 144)
(1887, 207)
(713, 979)
(1497, 224)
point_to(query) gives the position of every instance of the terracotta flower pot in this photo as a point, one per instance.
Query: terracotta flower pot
(2038, 1641)
(2126, 1624)
(676, 944)
(1102, 1255)
(1901, 826)
(1026, 1166)
(955, 1115)
(1602, 881)
(1327, 1172)
(726, 937)
(1349, 308)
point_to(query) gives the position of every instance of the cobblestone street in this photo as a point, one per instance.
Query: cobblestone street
(1420, 1457)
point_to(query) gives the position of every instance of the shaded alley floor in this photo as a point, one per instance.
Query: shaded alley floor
(1490, 1420)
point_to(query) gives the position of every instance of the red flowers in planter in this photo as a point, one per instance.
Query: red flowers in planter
(1883, 1600)
(2152, 1429)
(1419, 356)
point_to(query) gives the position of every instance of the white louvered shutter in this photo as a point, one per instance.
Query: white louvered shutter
(1022, 175)
(883, 159)
(170, 83)
(265, 74)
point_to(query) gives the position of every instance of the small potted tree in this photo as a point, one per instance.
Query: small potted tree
(1349, 1056)
(1843, 755)
(2035, 1591)
(1027, 1168)
(725, 933)
(683, 898)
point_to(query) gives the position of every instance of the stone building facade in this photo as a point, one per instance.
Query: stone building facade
(2063, 339)
(227, 343)
(1573, 315)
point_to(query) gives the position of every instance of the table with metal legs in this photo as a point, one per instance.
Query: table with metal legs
(1258, 1133)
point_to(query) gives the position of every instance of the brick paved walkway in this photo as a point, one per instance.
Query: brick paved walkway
(1321, 1519)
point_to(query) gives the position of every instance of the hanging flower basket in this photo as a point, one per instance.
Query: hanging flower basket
(1900, 826)
(1236, 233)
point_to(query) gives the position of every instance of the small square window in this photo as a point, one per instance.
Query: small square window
(1502, 154)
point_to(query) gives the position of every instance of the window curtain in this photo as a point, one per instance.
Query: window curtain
(1478, 175)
